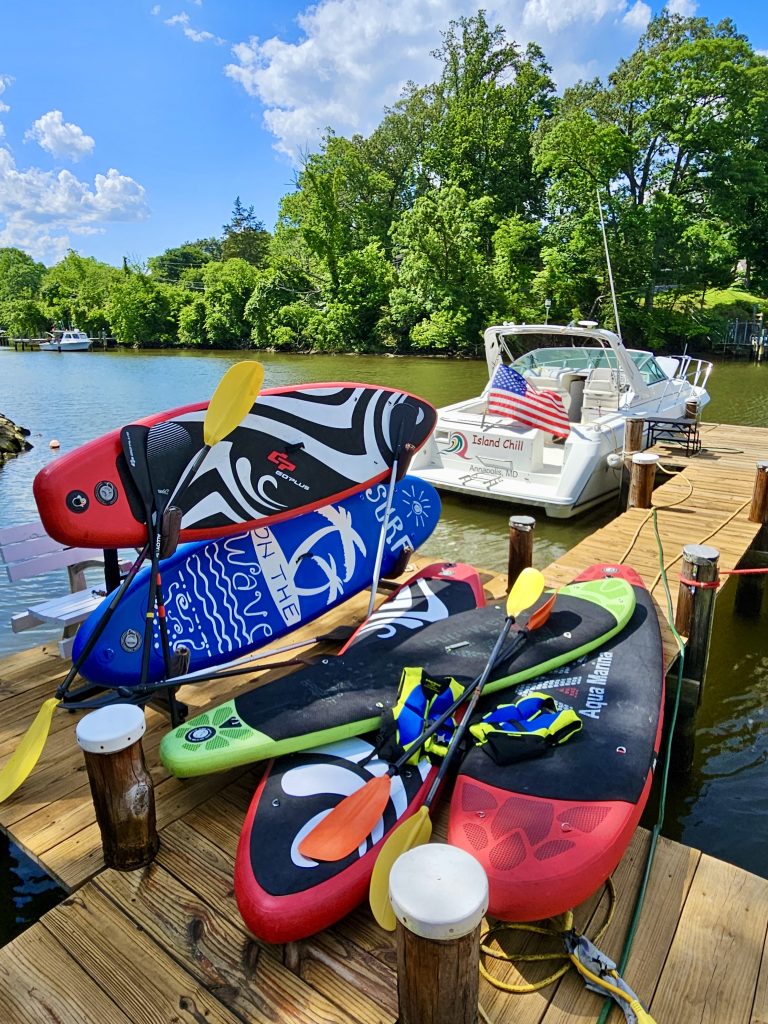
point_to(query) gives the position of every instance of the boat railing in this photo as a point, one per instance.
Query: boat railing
(695, 371)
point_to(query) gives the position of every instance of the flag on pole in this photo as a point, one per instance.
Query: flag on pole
(512, 396)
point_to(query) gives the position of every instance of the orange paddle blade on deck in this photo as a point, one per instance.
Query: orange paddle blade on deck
(338, 835)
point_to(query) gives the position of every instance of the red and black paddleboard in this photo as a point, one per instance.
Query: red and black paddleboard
(282, 895)
(550, 830)
(299, 448)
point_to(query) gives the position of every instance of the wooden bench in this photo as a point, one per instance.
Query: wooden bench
(27, 551)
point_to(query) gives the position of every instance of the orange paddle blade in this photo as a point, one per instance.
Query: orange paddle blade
(341, 832)
(537, 619)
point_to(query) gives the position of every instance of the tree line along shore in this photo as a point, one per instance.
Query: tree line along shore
(474, 201)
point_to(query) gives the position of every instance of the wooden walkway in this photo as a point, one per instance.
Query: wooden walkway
(167, 943)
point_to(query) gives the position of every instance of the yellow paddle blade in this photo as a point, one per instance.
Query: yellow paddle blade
(351, 820)
(527, 588)
(416, 831)
(232, 399)
(26, 755)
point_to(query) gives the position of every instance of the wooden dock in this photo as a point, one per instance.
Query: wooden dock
(166, 943)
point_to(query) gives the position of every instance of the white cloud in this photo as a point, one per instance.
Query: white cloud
(354, 57)
(60, 138)
(156, 10)
(638, 16)
(39, 209)
(685, 8)
(5, 81)
(194, 34)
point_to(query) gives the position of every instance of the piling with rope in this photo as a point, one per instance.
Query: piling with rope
(520, 551)
(699, 580)
(121, 787)
(439, 894)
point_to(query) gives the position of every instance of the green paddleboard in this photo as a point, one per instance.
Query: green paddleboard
(345, 696)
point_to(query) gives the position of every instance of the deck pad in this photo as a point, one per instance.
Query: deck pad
(346, 696)
(299, 448)
(231, 596)
(551, 829)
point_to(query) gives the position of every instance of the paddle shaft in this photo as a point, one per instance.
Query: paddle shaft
(398, 449)
(101, 625)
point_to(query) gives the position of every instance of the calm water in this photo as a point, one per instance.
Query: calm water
(721, 806)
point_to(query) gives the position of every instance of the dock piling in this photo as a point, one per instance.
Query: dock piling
(696, 607)
(520, 554)
(121, 787)
(758, 512)
(642, 474)
(440, 895)
(633, 434)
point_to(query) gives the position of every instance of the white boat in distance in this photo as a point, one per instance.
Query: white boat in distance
(70, 340)
(601, 384)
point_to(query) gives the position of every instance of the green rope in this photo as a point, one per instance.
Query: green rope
(656, 831)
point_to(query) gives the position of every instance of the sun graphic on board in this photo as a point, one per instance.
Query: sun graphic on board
(418, 503)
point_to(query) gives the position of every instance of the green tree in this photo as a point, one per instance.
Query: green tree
(228, 286)
(75, 292)
(184, 263)
(140, 312)
(442, 269)
(245, 237)
(490, 98)
(20, 275)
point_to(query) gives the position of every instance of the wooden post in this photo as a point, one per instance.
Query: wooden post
(520, 554)
(758, 512)
(696, 608)
(439, 895)
(641, 476)
(691, 409)
(121, 786)
(634, 431)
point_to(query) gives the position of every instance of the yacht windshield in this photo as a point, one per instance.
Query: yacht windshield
(582, 358)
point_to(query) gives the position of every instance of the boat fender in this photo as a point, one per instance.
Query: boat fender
(420, 700)
(529, 727)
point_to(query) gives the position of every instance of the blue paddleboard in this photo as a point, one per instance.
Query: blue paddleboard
(226, 597)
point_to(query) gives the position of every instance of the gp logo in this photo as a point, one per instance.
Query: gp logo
(281, 460)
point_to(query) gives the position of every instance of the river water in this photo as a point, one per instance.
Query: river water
(719, 806)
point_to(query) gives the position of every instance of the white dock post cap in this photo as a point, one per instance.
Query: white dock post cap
(644, 458)
(110, 729)
(438, 891)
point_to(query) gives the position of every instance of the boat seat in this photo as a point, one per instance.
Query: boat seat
(27, 551)
(601, 392)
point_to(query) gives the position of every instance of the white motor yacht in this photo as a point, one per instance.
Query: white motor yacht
(70, 340)
(600, 382)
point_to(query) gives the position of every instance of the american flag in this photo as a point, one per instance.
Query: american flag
(513, 397)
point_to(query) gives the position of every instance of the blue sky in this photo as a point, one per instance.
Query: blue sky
(129, 127)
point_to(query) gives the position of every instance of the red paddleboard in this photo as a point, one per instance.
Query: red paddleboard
(550, 830)
(282, 895)
(299, 448)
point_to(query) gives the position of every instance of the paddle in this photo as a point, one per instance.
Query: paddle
(229, 403)
(401, 424)
(346, 826)
(417, 830)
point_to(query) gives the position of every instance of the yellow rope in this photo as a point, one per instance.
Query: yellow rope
(497, 954)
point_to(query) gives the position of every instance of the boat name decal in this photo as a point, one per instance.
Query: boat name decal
(507, 443)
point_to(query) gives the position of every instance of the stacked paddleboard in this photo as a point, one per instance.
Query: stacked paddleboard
(345, 696)
(282, 895)
(299, 448)
(549, 831)
(227, 597)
